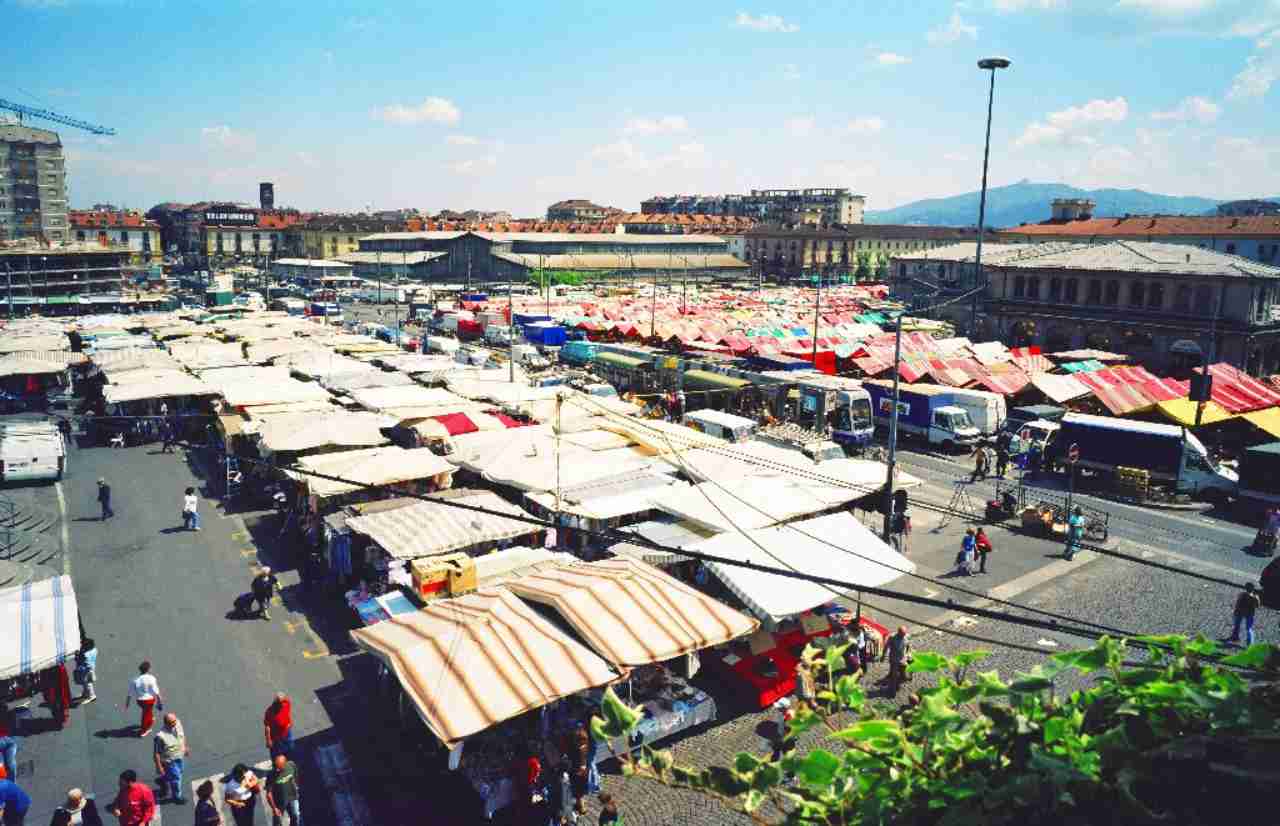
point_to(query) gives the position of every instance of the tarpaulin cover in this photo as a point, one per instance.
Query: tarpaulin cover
(1060, 388)
(42, 626)
(1183, 412)
(489, 639)
(1123, 399)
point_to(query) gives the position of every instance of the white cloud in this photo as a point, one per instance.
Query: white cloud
(953, 30)
(462, 140)
(474, 166)
(1037, 133)
(1167, 8)
(1023, 5)
(790, 71)
(655, 126)
(227, 138)
(799, 127)
(1192, 108)
(1095, 111)
(627, 156)
(430, 110)
(764, 23)
(1255, 79)
(955, 157)
(866, 126)
(1111, 163)
(1241, 150)
(891, 59)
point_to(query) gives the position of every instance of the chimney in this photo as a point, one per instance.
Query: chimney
(1072, 209)
(1188, 258)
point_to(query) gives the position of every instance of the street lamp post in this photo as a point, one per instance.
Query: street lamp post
(44, 268)
(893, 430)
(989, 64)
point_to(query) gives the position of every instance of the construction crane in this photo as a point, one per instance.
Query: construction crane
(32, 112)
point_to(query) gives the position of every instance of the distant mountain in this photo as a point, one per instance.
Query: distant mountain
(1028, 203)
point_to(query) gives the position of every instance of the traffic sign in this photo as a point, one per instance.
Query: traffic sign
(1073, 453)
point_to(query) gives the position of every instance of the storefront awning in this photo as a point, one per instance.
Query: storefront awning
(632, 613)
(1266, 420)
(837, 546)
(470, 663)
(42, 626)
(619, 360)
(706, 378)
(427, 528)
(1183, 412)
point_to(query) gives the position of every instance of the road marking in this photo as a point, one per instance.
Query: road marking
(65, 532)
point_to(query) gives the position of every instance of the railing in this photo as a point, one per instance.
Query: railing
(8, 516)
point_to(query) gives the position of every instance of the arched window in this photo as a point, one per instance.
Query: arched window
(1204, 299)
(1055, 289)
(1182, 299)
(1019, 286)
(1113, 293)
(1137, 294)
(1072, 293)
(1033, 288)
(1155, 296)
(1095, 292)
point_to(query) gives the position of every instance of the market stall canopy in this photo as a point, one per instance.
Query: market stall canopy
(53, 342)
(1060, 388)
(1183, 412)
(1087, 355)
(249, 386)
(204, 353)
(42, 626)
(113, 362)
(34, 364)
(154, 384)
(1267, 420)
(410, 395)
(632, 613)
(359, 379)
(472, 662)
(376, 466)
(836, 546)
(315, 364)
(307, 431)
(429, 527)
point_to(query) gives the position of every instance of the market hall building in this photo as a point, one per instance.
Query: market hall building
(476, 257)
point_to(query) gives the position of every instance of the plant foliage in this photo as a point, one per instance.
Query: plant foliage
(1181, 737)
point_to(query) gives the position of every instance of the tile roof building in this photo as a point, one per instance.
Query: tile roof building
(579, 209)
(129, 230)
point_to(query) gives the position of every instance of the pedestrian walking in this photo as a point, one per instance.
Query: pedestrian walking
(900, 530)
(190, 510)
(104, 499)
(898, 652)
(1075, 533)
(79, 809)
(86, 671)
(8, 743)
(785, 741)
(979, 462)
(968, 548)
(206, 813)
(14, 803)
(282, 792)
(579, 751)
(134, 805)
(171, 752)
(241, 794)
(145, 691)
(263, 588)
(560, 796)
(168, 432)
(1033, 460)
(1002, 457)
(982, 545)
(277, 726)
(1246, 606)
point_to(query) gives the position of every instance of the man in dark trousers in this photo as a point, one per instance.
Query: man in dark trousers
(264, 587)
(104, 499)
(1246, 608)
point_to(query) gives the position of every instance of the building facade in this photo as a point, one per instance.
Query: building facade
(128, 229)
(1137, 298)
(824, 206)
(783, 253)
(33, 184)
(1248, 208)
(579, 209)
(334, 236)
(1256, 237)
(49, 279)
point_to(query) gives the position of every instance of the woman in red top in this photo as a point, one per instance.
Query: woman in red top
(277, 725)
(983, 546)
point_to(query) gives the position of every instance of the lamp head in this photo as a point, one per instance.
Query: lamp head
(994, 63)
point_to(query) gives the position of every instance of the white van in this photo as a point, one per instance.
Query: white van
(986, 410)
(31, 451)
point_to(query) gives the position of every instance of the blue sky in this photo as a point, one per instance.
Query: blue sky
(498, 106)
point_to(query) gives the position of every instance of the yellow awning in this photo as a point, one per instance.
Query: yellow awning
(1183, 412)
(1268, 420)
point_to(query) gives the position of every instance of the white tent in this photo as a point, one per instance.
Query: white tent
(42, 626)
(836, 546)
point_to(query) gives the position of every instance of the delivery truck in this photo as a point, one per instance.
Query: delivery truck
(837, 406)
(31, 449)
(1172, 455)
(925, 412)
(987, 410)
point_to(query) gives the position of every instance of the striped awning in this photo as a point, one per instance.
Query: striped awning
(631, 613)
(1123, 399)
(427, 528)
(42, 626)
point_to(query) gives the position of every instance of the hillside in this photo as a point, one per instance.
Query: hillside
(1026, 202)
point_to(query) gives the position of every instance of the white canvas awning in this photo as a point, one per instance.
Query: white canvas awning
(1060, 388)
(376, 466)
(837, 546)
(469, 663)
(154, 384)
(410, 395)
(42, 626)
(307, 431)
(428, 528)
(249, 386)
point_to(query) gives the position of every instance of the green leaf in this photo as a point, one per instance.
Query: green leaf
(768, 776)
(850, 693)
(991, 684)
(1255, 656)
(1087, 660)
(746, 763)
(1055, 728)
(868, 730)
(661, 760)
(753, 800)
(1030, 685)
(968, 658)
(926, 662)
(619, 718)
(1203, 647)
(818, 768)
(1163, 689)
(835, 656)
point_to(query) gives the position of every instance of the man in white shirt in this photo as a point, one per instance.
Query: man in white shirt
(145, 691)
(191, 510)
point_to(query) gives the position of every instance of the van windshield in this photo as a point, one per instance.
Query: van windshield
(859, 412)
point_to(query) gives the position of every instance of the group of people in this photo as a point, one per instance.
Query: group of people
(556, 795)
(974, 549)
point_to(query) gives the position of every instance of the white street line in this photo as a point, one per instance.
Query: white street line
(65, 532)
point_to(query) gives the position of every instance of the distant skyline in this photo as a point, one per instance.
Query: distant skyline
(349, 105)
